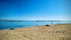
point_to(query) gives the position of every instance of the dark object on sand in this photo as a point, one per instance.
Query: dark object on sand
(57, 31)
(47, 25)
(11, 28)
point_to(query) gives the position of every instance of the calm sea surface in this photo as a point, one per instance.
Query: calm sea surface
(6, 25)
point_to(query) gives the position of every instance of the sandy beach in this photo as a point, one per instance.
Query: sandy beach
(52, 32)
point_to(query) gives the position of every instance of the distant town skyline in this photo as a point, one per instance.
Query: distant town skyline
(35, 9)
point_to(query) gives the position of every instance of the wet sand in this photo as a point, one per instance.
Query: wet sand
(52, 32)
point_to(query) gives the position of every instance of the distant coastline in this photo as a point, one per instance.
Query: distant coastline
(10, 21)
(1, 20)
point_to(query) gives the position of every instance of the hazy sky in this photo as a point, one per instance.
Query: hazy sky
(35, 9)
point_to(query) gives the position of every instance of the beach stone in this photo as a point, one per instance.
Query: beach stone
(47, 25)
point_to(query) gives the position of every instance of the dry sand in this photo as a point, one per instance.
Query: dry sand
(52, 32)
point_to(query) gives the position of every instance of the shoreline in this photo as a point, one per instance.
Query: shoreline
(51, 32)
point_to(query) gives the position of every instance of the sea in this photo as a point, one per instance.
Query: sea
(24, 24)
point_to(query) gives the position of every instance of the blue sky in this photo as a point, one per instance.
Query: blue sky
(35, 9)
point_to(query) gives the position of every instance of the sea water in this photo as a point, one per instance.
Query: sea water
(7, 25)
